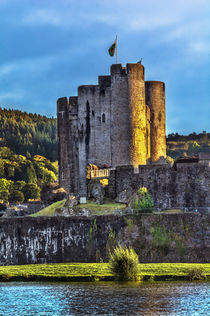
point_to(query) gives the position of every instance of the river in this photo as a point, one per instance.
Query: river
(105, 298)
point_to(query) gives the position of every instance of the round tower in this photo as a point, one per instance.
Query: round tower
(155, 98)
(138, 121)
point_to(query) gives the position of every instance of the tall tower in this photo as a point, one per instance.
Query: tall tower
(136, 102)
(155, 98)
(128, 115)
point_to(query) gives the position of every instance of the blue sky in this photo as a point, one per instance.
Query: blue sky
(49, 47)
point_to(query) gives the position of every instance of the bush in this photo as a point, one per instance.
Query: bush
(124, 264)
(142, 201)
(196, 274)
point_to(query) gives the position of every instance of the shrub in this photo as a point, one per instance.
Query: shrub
(124, 264)
(196, 274)
(142, 201)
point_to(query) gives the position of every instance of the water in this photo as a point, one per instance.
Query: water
(162, 298)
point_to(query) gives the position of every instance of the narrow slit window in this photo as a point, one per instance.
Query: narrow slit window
(103, 118)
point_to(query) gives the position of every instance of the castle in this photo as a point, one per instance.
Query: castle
(118, 122)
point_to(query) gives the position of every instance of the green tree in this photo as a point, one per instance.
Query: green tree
(193, 148)
(4, 195)
(31, 174)
(19, 185)
(6, 184)
(16, 197)
(31, 191)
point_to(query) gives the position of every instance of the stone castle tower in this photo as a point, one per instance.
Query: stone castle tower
(120, 121)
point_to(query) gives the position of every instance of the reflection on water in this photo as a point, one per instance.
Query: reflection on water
(108, 298)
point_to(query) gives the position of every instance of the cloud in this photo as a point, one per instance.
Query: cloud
(7, 70)
(27, 65)
(43, 17)
(11, 95)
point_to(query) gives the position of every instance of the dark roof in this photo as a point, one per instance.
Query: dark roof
(187, 159)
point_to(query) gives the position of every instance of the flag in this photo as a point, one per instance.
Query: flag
(112, 49)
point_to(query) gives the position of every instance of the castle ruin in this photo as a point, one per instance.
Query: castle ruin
(118, 122)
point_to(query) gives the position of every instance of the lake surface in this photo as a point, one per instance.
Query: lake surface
(105, 298)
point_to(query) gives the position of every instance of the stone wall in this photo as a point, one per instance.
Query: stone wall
(187, 186)
(156, 238)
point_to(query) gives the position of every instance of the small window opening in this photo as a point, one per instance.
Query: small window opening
(93, 113)
(103, 118)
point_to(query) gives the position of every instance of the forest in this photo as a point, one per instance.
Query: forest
(28, 134)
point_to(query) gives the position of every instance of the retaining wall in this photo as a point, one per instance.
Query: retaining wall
(156, 238)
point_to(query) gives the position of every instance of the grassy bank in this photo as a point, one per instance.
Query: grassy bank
(96, 272)
(96, 209)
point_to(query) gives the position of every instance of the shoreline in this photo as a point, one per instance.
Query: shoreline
(92, 272)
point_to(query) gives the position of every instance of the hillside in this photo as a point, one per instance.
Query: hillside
(22, 178)
(28, 134)
(192, 144)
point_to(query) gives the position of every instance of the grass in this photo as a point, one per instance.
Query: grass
(96, 209)
(49, 210)
(96, 271)
(171, 211)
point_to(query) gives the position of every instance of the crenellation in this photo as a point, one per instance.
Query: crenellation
(104, 81)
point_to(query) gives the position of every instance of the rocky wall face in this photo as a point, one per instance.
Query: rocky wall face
(156, 238)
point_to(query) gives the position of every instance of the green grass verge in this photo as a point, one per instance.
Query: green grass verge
(96, 271)
(96, 209)
(49, 210)
(171, 211)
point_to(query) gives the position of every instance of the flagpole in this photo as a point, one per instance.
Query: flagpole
(116, 50)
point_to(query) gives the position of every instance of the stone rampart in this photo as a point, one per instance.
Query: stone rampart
(187, 186)
(156, 238)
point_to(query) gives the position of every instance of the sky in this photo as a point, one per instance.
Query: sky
(50, 47)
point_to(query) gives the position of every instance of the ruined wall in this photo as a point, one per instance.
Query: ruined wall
(156, 238)
(87, 100)
(94, 127)
(63, 143)
(186, 187)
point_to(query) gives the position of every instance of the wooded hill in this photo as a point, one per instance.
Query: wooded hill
(28, 134)
(22, 178)
(192, 144)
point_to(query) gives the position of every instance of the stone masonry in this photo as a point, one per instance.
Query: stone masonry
(155, 238)
(120, 121)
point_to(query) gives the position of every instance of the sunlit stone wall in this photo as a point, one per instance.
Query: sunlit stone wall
(155, 98)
